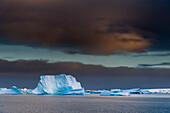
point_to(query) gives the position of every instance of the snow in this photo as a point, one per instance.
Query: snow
(13, 91)
(58, 85)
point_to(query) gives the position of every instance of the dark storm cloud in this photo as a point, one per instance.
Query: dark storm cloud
(151, 65)
(26, 74)
(97, 27)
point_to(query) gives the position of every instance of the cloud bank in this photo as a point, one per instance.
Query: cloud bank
(95, 27)
(26, 74)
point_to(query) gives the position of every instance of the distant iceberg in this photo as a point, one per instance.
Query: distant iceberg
(67, 85)
(119, 92)
(114, 93)
(58, 85)
(13, 91)
(167, 90)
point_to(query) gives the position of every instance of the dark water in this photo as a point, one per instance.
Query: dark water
(84, 104)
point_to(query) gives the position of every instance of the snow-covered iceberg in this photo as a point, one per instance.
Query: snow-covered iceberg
(58, 85)
(13, 91)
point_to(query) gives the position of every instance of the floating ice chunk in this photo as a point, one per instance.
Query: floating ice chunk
(58, 85)
(145, 92)
(13, 91)
(123, 93)
(105, 93)
(134, 91)
(94, 91)
(116, 90)
(159, 90)
(26, 91)
(114, 93)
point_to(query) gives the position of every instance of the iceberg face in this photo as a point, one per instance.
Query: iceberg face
(58, 85)
(75, 92)
(13, 91)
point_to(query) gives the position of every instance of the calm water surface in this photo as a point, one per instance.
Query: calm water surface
(84, 104)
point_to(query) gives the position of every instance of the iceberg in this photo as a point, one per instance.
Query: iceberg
(134, 91)
(145, 92)
(114, 93)
(94, 91)
(105, 93)
(13, 91)
(58, 85)
(161, 91)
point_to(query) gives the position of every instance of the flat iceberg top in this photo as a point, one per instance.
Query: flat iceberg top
(56, 84)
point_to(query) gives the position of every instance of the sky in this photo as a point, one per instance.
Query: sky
(103, 43)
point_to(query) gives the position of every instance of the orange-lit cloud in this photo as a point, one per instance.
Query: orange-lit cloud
(88, 27)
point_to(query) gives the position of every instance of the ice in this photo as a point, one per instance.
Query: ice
(123, 93)
(134, 91)
(58, 85)
(145, 92)
(75, 92)
(159, 90)
(94, 91)
(116, 90)
(114, 93)
(13, 91)
(119, 92)
(105, 93)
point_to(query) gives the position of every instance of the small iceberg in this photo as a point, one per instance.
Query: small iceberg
(13, 91)
(114, 93)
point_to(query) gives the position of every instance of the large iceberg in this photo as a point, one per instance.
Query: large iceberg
(13, 91)
(58, 85)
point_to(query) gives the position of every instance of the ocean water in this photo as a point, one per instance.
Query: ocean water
(84, 104)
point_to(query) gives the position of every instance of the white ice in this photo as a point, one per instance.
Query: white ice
(58, 85)
(13, 91)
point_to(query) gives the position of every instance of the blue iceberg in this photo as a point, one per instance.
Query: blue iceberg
(115, 92)
(58, 85)
(13, 91)
(105, 93)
